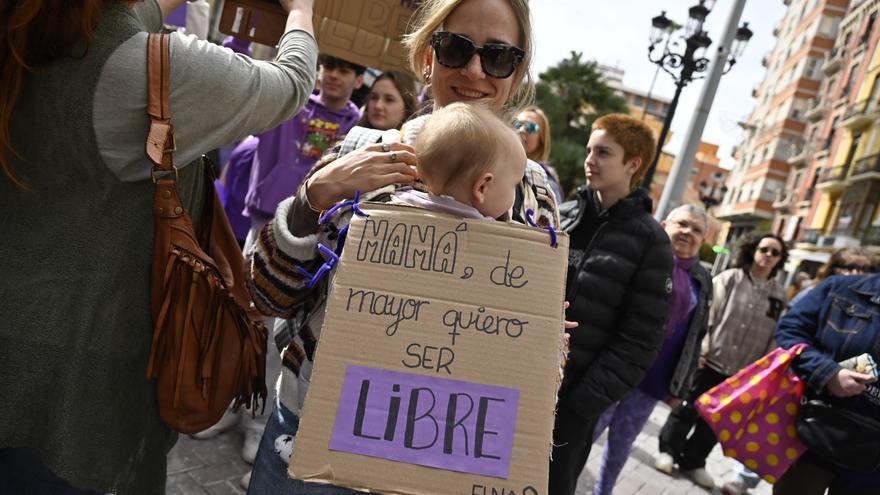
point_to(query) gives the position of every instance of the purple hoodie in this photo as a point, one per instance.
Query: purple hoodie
(236, 176)
(286, 154)
(238, 45)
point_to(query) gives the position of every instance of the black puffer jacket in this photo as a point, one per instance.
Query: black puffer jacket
(618, 287)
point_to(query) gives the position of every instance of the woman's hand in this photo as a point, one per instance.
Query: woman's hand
(364, 169)
(847, 383)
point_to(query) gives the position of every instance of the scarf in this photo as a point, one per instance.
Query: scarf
(680, 302)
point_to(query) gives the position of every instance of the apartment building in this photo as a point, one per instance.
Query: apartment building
(759, 186)
(838, 193)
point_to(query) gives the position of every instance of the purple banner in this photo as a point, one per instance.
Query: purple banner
(437, 422)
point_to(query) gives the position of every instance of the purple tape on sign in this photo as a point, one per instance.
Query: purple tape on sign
(437, 422)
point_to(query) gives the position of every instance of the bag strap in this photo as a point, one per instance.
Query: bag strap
(160, 140)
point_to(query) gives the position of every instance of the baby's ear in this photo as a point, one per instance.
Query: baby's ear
(481, 185)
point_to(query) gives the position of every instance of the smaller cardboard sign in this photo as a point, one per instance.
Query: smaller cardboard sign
(365, 32)
(438, 361)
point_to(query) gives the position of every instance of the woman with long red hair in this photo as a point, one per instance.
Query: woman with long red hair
(78, 414)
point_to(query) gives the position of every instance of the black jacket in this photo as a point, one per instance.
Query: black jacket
(618, 286)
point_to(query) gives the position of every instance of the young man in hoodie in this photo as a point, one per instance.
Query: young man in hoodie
(619, 280)
(286, 153)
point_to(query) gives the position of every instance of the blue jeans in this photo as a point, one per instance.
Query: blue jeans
(269, 475)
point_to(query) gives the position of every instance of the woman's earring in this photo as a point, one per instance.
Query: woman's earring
(426, 74)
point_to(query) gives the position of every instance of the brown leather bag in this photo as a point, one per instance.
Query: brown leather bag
(209, 343)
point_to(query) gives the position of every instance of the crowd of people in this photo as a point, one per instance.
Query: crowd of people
(648, 322)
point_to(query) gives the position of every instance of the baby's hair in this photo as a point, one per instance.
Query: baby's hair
(458, 142)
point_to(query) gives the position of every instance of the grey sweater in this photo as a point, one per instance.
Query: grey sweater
(217, 96)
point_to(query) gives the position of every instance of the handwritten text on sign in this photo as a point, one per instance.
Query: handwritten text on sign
(436, 422)
(429, 249)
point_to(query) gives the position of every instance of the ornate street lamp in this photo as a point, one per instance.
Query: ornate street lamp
(711, 195)
(685, 67)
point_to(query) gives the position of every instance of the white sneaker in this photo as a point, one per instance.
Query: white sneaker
(251, 445)
(701, 477)
(245, 480)
(227, 421)
(734, 487)
(664, 463)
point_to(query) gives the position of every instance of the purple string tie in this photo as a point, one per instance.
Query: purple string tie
(531, 213)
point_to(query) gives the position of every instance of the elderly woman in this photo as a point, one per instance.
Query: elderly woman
(747, 301)
(471, 51)
(669, 378)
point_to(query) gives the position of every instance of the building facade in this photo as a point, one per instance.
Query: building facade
(759, 188)
(839, 192)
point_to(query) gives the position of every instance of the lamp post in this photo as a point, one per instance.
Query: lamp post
(687, 66)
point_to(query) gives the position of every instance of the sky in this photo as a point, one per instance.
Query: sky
(616, 33)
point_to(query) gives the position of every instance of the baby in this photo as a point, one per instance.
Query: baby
(470, 162)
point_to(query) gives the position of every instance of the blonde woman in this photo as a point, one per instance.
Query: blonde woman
(534, 130)
(469, 51)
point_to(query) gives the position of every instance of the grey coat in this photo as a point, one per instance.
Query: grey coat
(690, 353)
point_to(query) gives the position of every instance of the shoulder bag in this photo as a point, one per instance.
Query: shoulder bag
(209, 343)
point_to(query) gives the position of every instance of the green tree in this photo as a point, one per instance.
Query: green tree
(573, 94)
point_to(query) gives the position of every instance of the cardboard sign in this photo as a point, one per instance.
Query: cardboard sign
(366, 32)
(437, 366)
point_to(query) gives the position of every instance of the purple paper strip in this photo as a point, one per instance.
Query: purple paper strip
(437, 422)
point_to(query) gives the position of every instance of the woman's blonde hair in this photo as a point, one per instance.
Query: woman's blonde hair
(542, 154)
(429, 18)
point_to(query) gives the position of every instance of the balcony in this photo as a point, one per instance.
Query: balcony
(867, 165)
(816, 111)
(784, 200)
(859, 116)
(816, 237)
(799, 157)
(811, 236)
(871, 237)
(833, 179)
(833, 61)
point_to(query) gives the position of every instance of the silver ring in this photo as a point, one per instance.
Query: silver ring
(386, 147)
(393, 157)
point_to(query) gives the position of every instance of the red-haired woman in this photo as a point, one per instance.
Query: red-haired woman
(78, 414)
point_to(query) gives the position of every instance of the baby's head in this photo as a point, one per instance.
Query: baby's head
(466, 151)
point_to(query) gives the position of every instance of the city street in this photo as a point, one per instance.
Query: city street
(200, 467)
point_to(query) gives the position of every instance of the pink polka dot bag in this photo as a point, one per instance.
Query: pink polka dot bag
(753, 414)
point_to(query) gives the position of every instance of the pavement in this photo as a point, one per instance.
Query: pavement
(214, 466)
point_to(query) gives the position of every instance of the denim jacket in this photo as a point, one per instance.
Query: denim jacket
(838, 319)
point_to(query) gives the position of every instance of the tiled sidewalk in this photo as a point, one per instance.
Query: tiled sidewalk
(200, 467)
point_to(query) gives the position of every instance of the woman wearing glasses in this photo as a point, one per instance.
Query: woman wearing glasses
(747, 301)
(470, 51)
(846, 261)
(534, 130)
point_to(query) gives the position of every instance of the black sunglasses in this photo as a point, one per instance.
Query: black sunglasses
(771, 251)
(856, 268)
(498, 60)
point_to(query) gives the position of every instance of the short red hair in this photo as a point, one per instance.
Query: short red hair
(634, 136)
